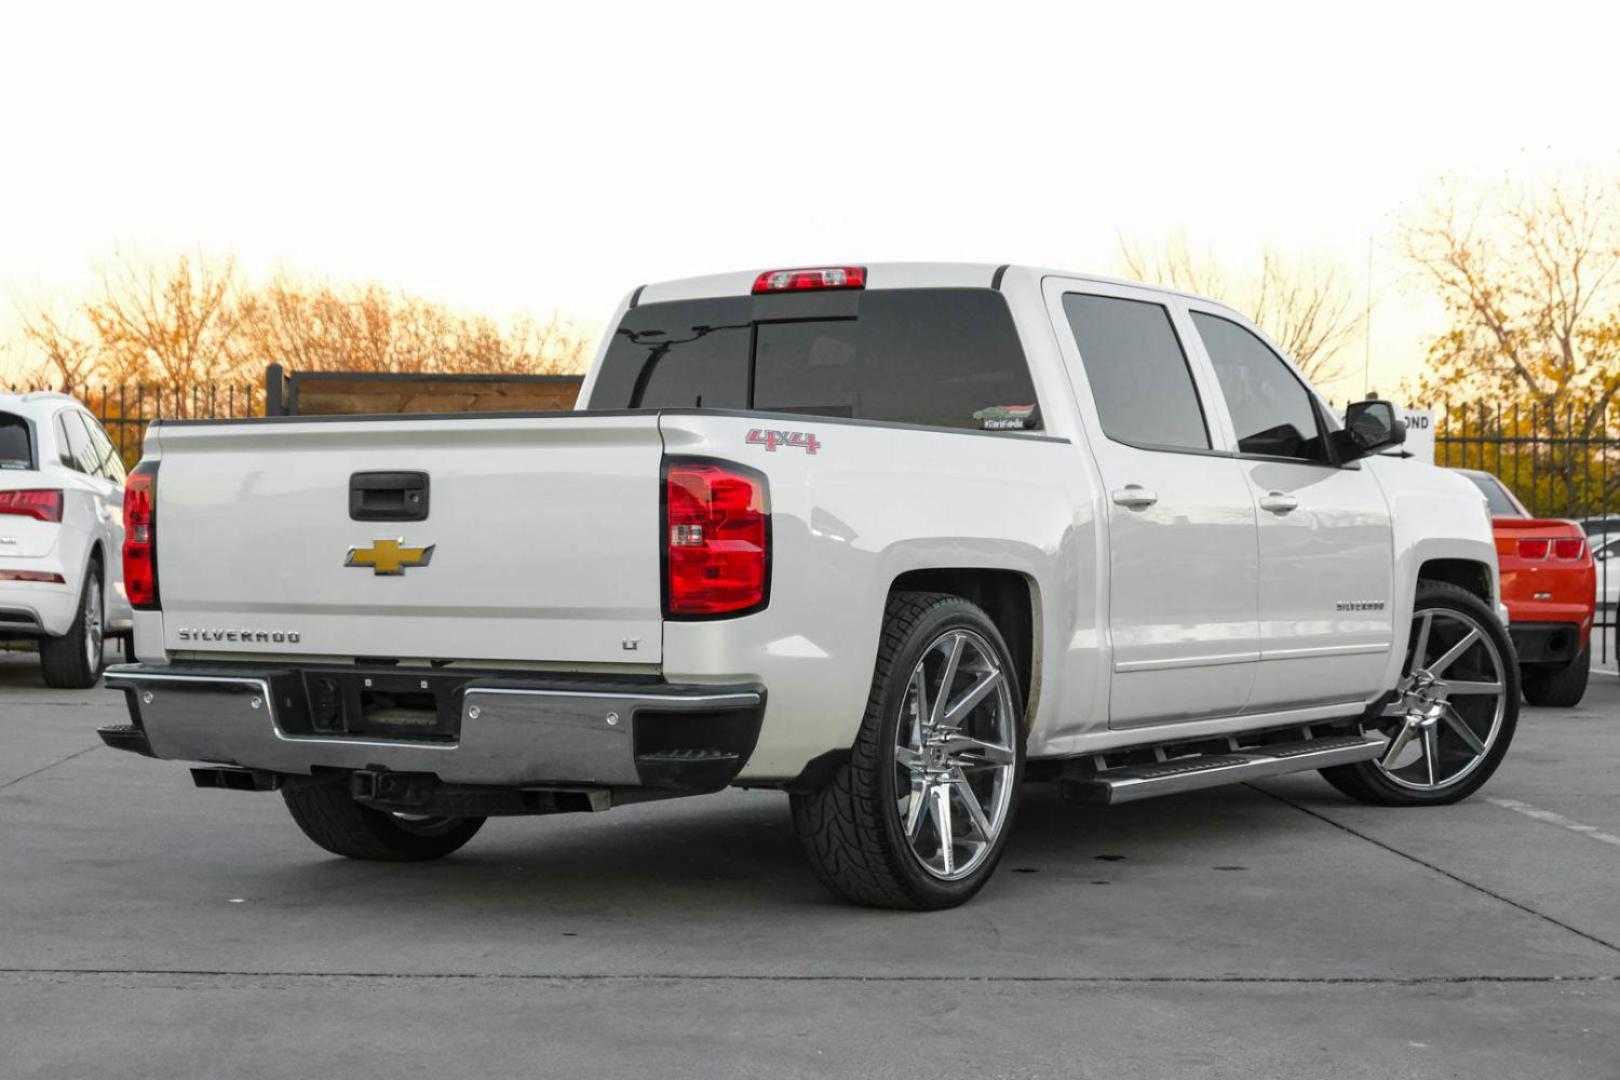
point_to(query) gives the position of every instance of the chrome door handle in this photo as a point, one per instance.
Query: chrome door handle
(1135, 497)
(1278, 502)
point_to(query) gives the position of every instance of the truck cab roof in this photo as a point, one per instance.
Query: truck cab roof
(883, 275)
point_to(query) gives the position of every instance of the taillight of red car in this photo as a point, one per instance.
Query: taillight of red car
(717, 540)
(1569, 550)
(140, 537)
(1537, 549)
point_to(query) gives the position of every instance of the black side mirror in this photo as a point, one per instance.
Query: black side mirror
(1369, 427)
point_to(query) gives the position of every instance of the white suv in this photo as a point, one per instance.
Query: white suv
(61, 532)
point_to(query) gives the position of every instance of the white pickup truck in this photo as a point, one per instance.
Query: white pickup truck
(892, 539)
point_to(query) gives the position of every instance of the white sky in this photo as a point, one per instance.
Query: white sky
(544, 157)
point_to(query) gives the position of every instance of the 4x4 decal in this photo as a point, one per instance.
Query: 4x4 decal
(770, 440)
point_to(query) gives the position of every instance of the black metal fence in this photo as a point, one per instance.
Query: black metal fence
(1558, 465)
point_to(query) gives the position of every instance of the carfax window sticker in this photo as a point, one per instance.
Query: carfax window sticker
(1005, 417)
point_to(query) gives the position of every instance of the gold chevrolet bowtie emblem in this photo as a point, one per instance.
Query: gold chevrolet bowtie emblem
(389, 557)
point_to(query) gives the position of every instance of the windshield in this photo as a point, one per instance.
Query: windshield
(16, 447)
(939, 357)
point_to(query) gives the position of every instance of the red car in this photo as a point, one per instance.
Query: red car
(1549, 584)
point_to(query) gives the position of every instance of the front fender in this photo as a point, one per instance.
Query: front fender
(1436, 515)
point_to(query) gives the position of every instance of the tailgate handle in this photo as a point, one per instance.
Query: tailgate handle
(388, 496)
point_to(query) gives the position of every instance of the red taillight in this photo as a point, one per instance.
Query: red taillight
(716, 539)
(816, 277)
(1534, 549)
(1568, 549)
(140, 537)
(43, 505)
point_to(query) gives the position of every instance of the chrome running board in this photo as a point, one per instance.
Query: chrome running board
(1127, 783)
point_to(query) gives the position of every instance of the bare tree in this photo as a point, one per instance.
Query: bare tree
(1531, 284)
(1308, 307)
(183, 325)
(170, 325)
(69, 358)
(318, 327)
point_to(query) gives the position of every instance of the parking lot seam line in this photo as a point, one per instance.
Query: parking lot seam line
(1079, 980)
(1527, 909)
(52, 765)
(1536, 813)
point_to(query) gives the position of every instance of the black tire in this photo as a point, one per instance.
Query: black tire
(74, 660)
(849, 828)
(342, 826)
(1558, 688)
(1366, 782)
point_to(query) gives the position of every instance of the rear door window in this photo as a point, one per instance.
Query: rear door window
(936, 357)
(108, 463)
(77, 451)
(1138, 372)
(16, 442)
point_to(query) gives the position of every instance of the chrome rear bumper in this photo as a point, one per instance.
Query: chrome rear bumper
(497, 729)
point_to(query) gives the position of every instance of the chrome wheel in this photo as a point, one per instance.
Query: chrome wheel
(1453, 697)
(954, 755)
(94, 635)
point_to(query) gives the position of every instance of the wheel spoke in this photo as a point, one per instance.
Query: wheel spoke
(959, 709)
(970, 799)
(917, 812)
(947, 679)
(1421, 646)
(921, 719)
(1457, 724)
(942, 820)
(1399, 743)
(1455, 688)
(908, 759)
(986, 753)
(1454, 652)
(1431, 750)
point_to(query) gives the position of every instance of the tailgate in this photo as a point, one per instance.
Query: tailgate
(543, 534)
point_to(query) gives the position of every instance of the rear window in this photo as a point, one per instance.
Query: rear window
(1496, 496)
(16, 444)
(938, 357)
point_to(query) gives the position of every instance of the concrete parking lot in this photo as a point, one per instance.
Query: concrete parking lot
(150, 929)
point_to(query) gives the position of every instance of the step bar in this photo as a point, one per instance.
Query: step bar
(1128, 783)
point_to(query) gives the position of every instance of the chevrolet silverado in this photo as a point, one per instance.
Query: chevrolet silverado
(892, 539)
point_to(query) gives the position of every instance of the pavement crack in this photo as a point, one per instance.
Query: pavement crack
(1494, 895)
(47, 768)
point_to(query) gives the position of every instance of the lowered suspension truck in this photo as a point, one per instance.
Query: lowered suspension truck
(891, 539)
